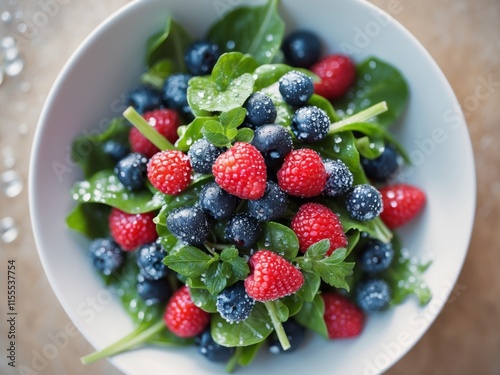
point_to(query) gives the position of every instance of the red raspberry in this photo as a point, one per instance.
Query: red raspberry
(241, 171)
(337, 73)
(315, 222)
(342, 317)
(402, 203)
(271, 277)
(302, 173)
(182, 317)
(169, 171)
(165, 121)
(132, 230)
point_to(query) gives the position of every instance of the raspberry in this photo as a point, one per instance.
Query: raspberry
(315, 222)
(342, 317)
(165, 122)
(241, 171)
(183, 317)
(337, 73)
(402, 203)
(170, 171)
(302, 173)
(271, 277)
(132, 230)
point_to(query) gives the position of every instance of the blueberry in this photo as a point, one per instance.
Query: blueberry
(200, 57)
(260, 110)
(243, 230)
(175, 92)
(296, 88)
(296, 334)
(153, 291)
(234, 304)
(310, 124)
(202, 155)
(106, 256)
(189, 224)
(216, 202)
(373, 295)
(376, 256)
(210, 349)
(274, 143)
(383, 167)
(132, 170)
(271, 206)
(364, 202)
(116, 149)
(301, 48)
(340, 178)
(149, 260)
(144, 98)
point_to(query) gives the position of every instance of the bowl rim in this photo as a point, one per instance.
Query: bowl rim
(108, 23)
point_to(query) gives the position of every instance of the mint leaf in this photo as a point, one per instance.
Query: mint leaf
(218, 140)
(332, 269)
(226, 88)
(244, 135)
(256, 30)
(189, 261)
(233, 118)
(229, 254)
(230, 66)
(104, 187)
(169, 44)
(216, 277)
(213, 126)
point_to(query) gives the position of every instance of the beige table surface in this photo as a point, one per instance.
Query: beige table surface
(464, 38)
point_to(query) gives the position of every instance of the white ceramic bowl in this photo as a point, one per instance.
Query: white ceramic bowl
(109, 63)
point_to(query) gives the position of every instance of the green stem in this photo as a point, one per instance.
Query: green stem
(233, 361)
(147, 130)
(278, 327)
(361, 116)
(138, 336)
(384, 234)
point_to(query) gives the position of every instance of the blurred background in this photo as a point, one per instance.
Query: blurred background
(463, 36)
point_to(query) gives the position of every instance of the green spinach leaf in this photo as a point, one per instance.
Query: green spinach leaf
(268, 74)
(377, 81)
(104, 187)
(280, 239)
(311, 316)
(169, 44)
(90, 219)
(256, 30)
